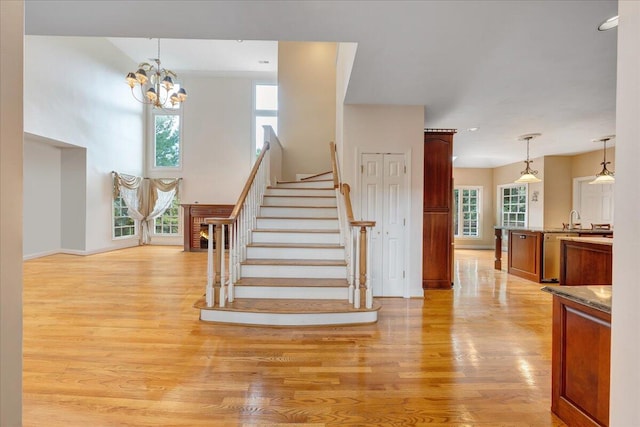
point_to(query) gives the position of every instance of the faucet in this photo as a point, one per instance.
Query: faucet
(571, 223)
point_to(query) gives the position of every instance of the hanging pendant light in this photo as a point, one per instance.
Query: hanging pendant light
(528, 175)
(605, 176)
(156, 84)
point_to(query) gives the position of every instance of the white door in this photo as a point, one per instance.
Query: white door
(594, 202)
(383, 199)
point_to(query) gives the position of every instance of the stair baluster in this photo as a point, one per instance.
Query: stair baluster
(223, 274)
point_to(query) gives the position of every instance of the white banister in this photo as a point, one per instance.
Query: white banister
(225, 272)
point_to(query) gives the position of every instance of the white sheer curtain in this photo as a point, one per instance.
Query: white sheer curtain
(161, 194)
(146, 199)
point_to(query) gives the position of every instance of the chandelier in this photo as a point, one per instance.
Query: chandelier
(605, 176)
(528, 175)
(156, 84)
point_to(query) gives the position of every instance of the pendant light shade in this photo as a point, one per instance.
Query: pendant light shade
(528, 175)
(605, 176)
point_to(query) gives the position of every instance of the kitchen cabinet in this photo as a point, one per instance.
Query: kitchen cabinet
(586, 261)
(437, 238)
(525, 254)
(580, 355)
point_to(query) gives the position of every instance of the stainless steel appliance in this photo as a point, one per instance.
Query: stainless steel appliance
(551, 256)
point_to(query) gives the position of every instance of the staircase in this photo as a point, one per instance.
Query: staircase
(295, 271)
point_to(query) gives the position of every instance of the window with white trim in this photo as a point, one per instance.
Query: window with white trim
(265, 111)
(166, 136)
(123, 225)
(168, 224)
(513, 205)
(467, 211)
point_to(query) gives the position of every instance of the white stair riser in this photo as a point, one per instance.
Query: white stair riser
(295, 253)
(302, 238)
(298, 201)
(288, 319)
(294, 271)
(298, 224)
(290, 292)
(298, 212)
(300, 192)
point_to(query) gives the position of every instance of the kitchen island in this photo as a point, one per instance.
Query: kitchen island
(586, 261)
(534, 252)
(580, 355)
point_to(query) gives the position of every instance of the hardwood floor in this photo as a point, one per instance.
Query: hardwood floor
(113, 340)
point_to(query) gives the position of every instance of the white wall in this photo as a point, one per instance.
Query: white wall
(11, 121)
(625, 333)
(398, 129)
(345, 57)
(41, 218)
(75, 93)
(306, 106)
(218, 146)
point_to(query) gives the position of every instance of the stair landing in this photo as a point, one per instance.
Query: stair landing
(288, 312)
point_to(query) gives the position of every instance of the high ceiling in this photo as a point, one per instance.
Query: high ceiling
(506, 67)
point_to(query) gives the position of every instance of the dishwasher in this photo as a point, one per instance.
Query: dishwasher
(551, 256)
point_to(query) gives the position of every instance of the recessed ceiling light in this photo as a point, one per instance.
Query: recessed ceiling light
(239, 41)
(263, 62)
(473, 129)
(608, 24)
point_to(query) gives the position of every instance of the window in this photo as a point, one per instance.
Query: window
(169, 222)
(123, 225)
(166, 143)
(265, 111)
(166, 134)
(513, 205)
(467, 209)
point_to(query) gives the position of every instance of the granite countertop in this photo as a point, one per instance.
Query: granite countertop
(598, 240)
(555, 230)
(598, 297)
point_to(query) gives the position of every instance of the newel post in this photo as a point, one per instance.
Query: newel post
(364, 291)
(362, 286)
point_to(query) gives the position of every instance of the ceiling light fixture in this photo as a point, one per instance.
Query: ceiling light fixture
(605, 176)
(158, 83)
(528, 175)
(608, 24)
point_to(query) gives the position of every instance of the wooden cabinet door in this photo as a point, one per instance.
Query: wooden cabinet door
(525, 250)
(437, 239)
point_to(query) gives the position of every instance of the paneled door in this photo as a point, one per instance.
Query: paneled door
(384, 200)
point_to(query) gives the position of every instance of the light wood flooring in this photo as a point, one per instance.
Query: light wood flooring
(113, 340)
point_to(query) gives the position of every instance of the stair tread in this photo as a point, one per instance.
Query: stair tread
(299, 207)
(323, 218)
(296, 245)
(289, 306)
(311, 178)
(294, 230)
(302, 182)
(297, 195)
(289, 282)
(284, 187)
(300, 262)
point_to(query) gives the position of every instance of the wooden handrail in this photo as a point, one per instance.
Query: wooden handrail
(334, 165)
(247, 186)
(346, 193)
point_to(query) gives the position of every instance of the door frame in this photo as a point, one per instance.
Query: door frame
(359, 151)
